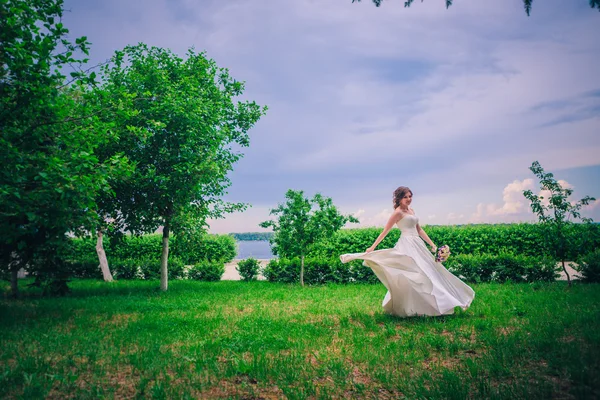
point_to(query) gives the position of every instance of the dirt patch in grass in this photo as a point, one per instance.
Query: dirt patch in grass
(120, 320)
(506, 330)
(241, 387)
(124, 379)
(561, 383)
(436, 361)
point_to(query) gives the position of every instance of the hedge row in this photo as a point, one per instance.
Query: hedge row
(189, 250)
(149, 268)
(470, 268)
(589, 267)
(525, 239)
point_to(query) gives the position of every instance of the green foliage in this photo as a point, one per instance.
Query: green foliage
(502, 268)
(128, 268)
(150, 268)
(189, 249)
(180, 126)
(193, 248)
(301, 223)
(469, 267)
(589, 267)
(318, 271)
(145, 268)
(526, 4)
(526, 239)
(86, 268)
(210, 271)
(248, 269)
(50, 173)
(556, 212)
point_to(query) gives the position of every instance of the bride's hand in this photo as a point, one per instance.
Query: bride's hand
(433, 248)
(370, 249)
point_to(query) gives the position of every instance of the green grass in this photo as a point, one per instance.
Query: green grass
(263, 340)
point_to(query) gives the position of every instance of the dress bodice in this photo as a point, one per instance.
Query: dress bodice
(408, 225)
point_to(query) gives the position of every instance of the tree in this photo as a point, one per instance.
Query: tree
(181, 127)
(301, 223)
(526, 4)
(556, 211)
(50, 175)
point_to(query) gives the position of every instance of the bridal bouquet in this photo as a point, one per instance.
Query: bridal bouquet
(442, 253)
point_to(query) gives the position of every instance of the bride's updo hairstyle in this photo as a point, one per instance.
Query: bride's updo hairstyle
(399, 195)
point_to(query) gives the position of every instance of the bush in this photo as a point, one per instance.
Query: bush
(468, 267)
(211, 271)
(125, 269)
(281, 270)
(85, 267)
(502, 268)
(150, 268)
(188, 249)
(589, 267)
(248, 269)
(524, 239)
(194, 249)
(318, 271)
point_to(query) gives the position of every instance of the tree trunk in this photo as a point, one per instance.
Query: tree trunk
(102, 259)
(14, 283)
(566, 273)
(164, 279)
(302, 270)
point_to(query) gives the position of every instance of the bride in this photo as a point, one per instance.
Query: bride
(416, 283)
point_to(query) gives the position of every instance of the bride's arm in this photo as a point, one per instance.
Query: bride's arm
(424, 236)
(395, 217)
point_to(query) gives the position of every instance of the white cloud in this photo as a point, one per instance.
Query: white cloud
(378, 219)
(514, 207)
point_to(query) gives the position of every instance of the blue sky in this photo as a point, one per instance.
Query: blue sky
(456, 104)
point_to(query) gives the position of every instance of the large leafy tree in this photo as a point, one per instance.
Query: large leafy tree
(526, 4)
(50, 175)
(556, 211)
(182, 127)
(303, 222)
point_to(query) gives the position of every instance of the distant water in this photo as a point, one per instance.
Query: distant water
(254, 248)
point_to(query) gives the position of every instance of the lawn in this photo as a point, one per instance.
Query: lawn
(234, 339)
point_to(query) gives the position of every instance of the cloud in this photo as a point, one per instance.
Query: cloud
(378, 219)
(516, 207)
(594, 205)
(455, 103)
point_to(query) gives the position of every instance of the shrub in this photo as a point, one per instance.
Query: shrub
(543, 269)
(502, 268)
(125, 269)
(524, 239)
(194, 249)
(589, 267)
(85, 267)
(248, 269)
(150, 268)
(188, 249)
(318, 271)
(207, 271)
(282, 270)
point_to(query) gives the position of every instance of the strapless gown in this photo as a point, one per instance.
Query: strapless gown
(416, 284)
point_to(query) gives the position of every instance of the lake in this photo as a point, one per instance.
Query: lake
(259, 249)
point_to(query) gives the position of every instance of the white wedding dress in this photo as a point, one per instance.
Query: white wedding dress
(416, 284)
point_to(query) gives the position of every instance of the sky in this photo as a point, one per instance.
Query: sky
(454, 103)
